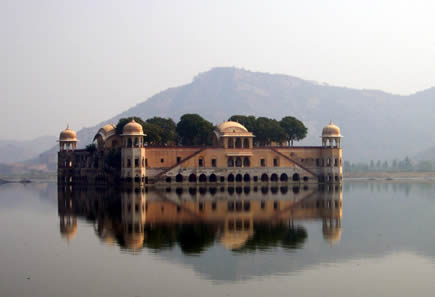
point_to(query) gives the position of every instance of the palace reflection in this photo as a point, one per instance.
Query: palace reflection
(241, 219)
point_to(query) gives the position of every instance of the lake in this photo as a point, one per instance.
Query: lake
(361, 239)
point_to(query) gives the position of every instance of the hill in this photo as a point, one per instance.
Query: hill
(12, 151)
(375, 124)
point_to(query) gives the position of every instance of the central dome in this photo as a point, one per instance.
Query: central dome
(132, 128)
(231, 126)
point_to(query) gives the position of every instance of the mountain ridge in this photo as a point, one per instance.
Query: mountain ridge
(375, 124)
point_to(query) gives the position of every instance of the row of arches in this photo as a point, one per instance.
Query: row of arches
(330, 178)
(202, 178)
(240, 190)
(239, 162)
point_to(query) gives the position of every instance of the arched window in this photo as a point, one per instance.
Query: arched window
(246, 143)
(283, 177)
(230, 162)
(296, 177)
(238, 162)
(246, 162)
(246, 178)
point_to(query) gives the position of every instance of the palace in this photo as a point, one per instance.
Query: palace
(126, 159)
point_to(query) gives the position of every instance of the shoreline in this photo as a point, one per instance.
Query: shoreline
(390, 176)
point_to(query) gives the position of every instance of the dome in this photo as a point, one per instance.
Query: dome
(132, 128)
(231, 126)
(331, 131)
(108, 128)
(68, 135)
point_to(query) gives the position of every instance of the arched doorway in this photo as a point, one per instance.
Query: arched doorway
(230, 177)
(192, 178)
(296, 177)
(274, 177)
(238, 178)
(264, 177)
(212, 178)
(202, 178)
(179, 178)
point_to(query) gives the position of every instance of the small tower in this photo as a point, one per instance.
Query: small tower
(67, 140)
(133, 153)
(331, 136)
(331, 154)
(66, 157)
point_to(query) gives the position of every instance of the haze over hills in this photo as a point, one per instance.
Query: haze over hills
(376, 125)
(12, 151)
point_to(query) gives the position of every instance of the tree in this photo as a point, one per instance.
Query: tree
(113, 159)
(194, 130)
(168, 132)
(157, 130)
(153, 133)
(248, 121)
(91, 148)
(268, 130)
(294, 129)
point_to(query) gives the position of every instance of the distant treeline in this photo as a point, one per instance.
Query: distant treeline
(192, 129)
(395, 165)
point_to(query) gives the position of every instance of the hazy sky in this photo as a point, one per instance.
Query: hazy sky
(81, 62)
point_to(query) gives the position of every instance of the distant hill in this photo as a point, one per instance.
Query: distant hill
(12, 151)
(376, 125)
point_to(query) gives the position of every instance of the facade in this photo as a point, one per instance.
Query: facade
(126, 159)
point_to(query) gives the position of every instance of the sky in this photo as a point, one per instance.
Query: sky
(81, 62)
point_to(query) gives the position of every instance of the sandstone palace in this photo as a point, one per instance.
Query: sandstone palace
(125, 159)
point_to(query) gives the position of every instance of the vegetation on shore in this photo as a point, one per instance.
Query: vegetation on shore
(405, 165)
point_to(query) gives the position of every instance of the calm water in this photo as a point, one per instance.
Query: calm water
(368, 239)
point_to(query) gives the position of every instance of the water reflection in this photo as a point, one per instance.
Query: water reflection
(241, 219)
